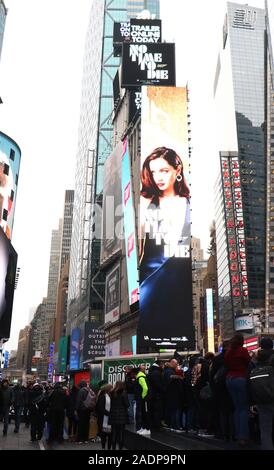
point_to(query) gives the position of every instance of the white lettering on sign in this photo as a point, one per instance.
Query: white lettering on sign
(152, 62)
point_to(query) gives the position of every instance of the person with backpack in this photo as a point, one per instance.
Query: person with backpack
(237, 360)
(261, 390)
(85, 403)
(141, 397)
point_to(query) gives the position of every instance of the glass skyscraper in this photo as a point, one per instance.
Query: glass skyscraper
(95, 143)
(240, 95)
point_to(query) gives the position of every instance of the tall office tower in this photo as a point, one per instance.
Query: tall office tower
(43, 321)
(66, 229)
(62, 288)
(54, 268)
(269, 291)
(3, 14)
(240, 93)
(86, 284)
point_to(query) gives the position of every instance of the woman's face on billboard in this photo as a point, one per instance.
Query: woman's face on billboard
(163, 174)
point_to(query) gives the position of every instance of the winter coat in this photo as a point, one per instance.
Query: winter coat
(237, 361)
(58, 400)
(130, 381)
(156, 381)
(141, 389)
(174, 388)
(119, 408)
(81, 396)
(100, 410)
(5, 398)
(18, 396)
(37, 401)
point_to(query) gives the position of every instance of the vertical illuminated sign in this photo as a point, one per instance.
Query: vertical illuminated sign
(234, 222)
(75, 349)
(210, 320)
(129, 228)
(50, 361)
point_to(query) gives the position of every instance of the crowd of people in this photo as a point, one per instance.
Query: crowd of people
(228, 396)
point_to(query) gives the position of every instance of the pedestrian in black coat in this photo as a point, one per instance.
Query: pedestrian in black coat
(102, 409)
(57, 404)
(157, 389)
(118, 414)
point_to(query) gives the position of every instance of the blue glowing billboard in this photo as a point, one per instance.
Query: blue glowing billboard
(129, 228)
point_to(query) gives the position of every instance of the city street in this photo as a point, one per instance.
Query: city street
(162, 441)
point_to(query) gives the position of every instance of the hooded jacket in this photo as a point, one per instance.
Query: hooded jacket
(141, 385)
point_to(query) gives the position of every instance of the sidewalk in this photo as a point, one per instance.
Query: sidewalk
(19, 441)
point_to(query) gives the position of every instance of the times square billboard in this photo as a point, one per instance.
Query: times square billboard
(136, 30)
(8, 263)
(148, 64)
(10, 156)
(165, 268)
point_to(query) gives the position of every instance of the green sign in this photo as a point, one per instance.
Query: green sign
(114, 369)
(62, 354)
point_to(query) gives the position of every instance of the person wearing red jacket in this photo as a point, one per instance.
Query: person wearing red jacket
(236, 360)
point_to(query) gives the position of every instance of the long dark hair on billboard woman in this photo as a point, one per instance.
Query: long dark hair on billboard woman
(165, 266)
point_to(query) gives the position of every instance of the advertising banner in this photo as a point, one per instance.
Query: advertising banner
(245, 322)
(210, 320)
(135, 104)
(112, 225)
(10, 156)
(136, 30)
(8, 263)
(94, 341)
(165, 297)
(148, 64)
(144, 31)
(74, 349)
(62, 354)
(121, 32)
(129, 228)
(114, 370)
(112, 295)
(50, 361)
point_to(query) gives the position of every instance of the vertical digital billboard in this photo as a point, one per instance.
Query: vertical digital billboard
(235, 230)
(165, 269)
(210, 320)
(50, 361)
(62, 354)
(112, 225)
(112, 295)
(129, 228)
(75, 349)
(10, 156)
(8, 263)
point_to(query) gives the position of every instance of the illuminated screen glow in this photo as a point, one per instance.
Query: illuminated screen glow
(165, 261)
